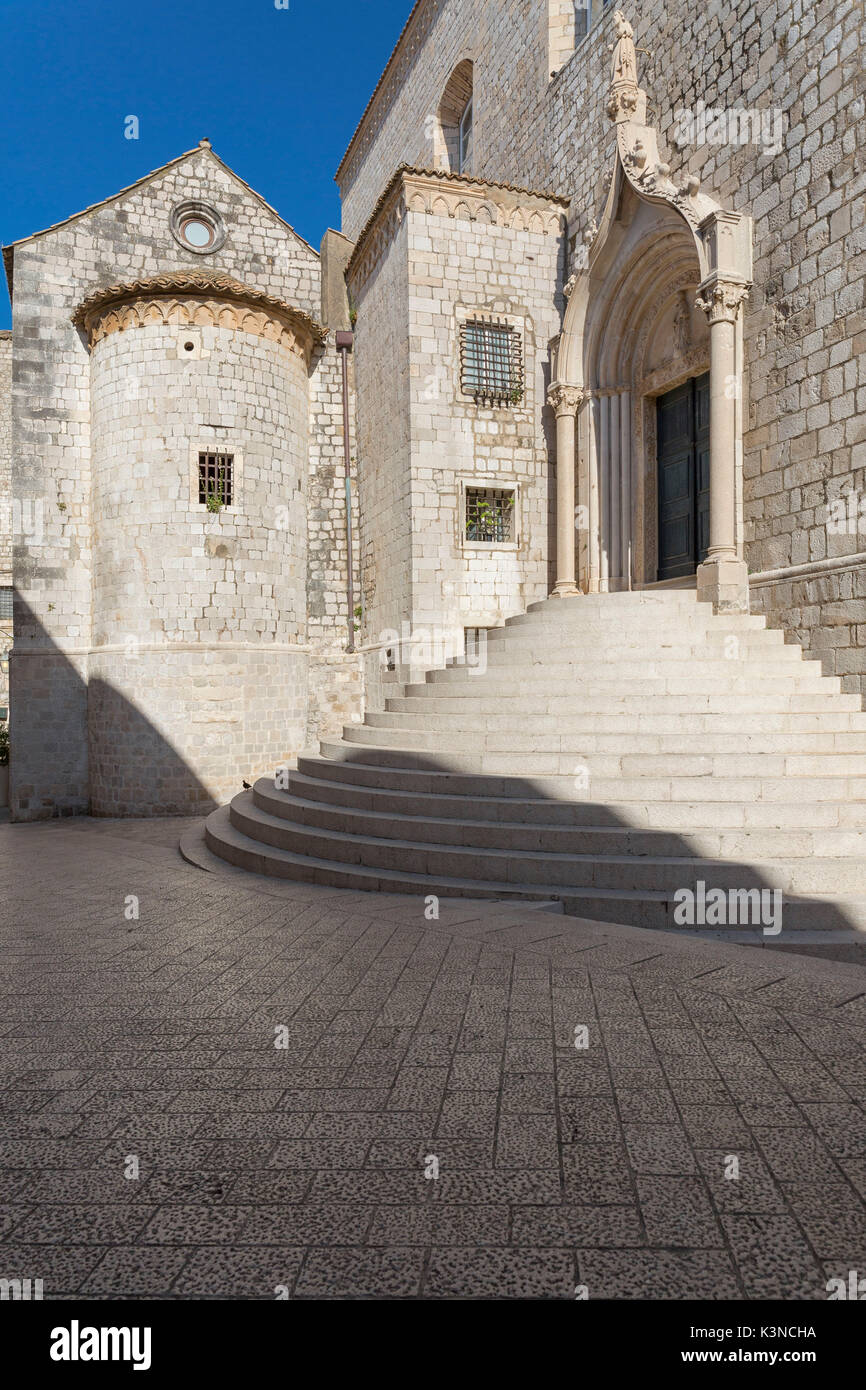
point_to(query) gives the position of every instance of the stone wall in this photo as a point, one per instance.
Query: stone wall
(445, 250)
(59, 653)
(5, 503)
(383, 424)
(798, 175)
(336, 692)
(167, 572)
(459, 269)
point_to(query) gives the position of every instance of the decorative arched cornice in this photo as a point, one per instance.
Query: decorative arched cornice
(439, 193)
(201, 297)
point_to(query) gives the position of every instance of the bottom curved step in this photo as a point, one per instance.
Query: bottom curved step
(640, 909)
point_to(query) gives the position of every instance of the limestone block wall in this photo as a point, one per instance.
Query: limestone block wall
(5, 456)
(439, 252)
(800, 65)
(52, 465)
(459, 269)
(168, 575)
(383, 425)
(336, 693)
(5, 502)
(326, 510)
(509, 45)
(794, 168)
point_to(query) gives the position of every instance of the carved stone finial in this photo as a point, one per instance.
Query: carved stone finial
(591, 232)
(204, 144)
(624, 90)
(568, 287)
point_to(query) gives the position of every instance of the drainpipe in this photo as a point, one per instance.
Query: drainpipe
(345, 343)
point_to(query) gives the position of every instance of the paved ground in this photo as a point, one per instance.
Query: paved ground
(406, 1041)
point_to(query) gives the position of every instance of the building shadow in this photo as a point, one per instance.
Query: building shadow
(410, 851)
(82, 747)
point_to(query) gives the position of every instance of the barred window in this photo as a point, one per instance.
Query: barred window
(215, 480)
(5, 603)
(490, 516)
(491, 361)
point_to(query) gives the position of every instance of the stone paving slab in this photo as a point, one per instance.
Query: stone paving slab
(214, 1086)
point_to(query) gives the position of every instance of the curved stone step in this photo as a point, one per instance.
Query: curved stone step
(647, 909)
(624, 665)
(436, 706)
(540, 754)
(579, 676)
(228, 843)
(593, 840)
(559, 774)
(444, 794)
(686, 741)
(616, 750)
(633, 703)
(544, 867)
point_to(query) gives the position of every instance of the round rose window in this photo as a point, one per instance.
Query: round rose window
(197, 227)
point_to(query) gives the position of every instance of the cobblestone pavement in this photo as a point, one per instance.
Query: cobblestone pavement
(406, 1044)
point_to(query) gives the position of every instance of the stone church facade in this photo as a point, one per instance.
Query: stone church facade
(606, 276)
(741, 187)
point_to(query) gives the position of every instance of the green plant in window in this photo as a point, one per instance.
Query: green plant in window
(216, 495)
(516, 395)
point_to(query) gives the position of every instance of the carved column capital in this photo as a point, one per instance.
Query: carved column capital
(721, 301)
(566, 400)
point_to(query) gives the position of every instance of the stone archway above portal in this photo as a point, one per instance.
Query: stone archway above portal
(655, 240)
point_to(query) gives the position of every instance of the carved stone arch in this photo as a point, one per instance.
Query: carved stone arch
(654, 240)
(463, 213)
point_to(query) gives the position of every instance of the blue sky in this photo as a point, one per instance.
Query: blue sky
(277, 92)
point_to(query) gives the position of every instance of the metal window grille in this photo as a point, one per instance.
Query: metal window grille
(489, 516)
(491, 361)
(5, 602)
(215, 480)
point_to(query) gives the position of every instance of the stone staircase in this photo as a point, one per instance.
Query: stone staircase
(617, 748)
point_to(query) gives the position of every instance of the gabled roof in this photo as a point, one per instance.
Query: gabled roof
(204, 146)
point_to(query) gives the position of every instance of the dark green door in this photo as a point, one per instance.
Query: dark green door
(683, 433)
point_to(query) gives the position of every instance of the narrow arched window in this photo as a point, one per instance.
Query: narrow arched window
(454, 127)
(465, 155)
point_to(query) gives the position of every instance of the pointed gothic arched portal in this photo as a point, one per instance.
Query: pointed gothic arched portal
(655, 302)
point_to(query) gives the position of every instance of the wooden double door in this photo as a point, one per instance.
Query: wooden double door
(683, 436)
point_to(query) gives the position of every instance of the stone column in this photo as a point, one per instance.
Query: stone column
(723, 577)
(566, 401)
(626, 494)
(615, 465)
